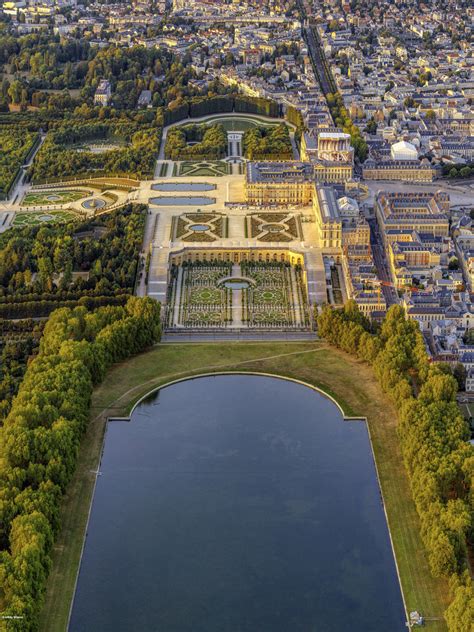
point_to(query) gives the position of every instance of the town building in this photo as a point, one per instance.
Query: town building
(103, 93)
(404, 170)
(426, 213)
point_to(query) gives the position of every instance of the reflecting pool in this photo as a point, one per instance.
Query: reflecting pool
(237, 503)
(183, 186)
(182, 201)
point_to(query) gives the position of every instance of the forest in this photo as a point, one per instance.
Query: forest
(267, 143)
(93, 262)
(209, 142)
(41, 435)
(50, 63)
(433, 436)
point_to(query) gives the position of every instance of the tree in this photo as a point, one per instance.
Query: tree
(460, 374)
(371, 127)
(460, 613)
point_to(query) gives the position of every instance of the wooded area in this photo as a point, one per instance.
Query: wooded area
(267, 143)
(208, 142)
(37, 264)
(134, 156)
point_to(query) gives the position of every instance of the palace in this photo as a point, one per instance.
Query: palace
(279, 183)
(332, 156)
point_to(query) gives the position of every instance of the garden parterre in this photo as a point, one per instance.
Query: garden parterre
(272, 295)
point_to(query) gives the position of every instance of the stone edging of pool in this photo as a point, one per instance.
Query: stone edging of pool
(302, 383)
(258, 373)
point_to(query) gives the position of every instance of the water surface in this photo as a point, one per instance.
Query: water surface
(182, 201)
(237, 504)
(183, 186)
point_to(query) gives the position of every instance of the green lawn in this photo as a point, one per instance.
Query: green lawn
(33, 218)
(242, 123)
(349, 381)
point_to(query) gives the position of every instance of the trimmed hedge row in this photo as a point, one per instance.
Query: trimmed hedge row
(41, 437)
(433, 437)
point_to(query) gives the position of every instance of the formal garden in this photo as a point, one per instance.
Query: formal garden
(47, 198)
(240, 123)
(33, 218)
(199, 227)
(254, 295)
(195, 298)
(278, 298)
(267, 227)
(214, 168)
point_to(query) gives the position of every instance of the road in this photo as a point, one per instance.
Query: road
(378, 251)
(318, 59)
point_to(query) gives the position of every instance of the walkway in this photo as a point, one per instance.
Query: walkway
(235, 335)
(21, 186)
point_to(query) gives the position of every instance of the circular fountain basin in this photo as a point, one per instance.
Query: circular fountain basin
(238, 284)
(93, 203)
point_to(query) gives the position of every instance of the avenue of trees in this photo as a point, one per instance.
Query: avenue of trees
(267, 143)
(16, 143)
(433, 436)
(342, 119)
(37, 263)
(40, 439)
(209, 142)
